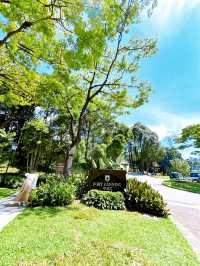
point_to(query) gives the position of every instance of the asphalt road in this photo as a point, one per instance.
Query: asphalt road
(184, 207)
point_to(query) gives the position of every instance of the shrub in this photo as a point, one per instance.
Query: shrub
(11, 180)
(143, 198)
(104, 200)
(80, 183)
(47, 178)
(52, 193)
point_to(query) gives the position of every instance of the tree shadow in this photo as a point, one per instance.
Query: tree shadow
(50, 211)
(41, 211)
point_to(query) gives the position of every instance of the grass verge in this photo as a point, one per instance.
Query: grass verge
(79, 235)
(6, 192)
(183, 185)
(164, 177)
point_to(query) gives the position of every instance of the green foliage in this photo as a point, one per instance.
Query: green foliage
(49, 178)
(98, 157)
(34, 142)
(84, 82)
(29, 38)
(143, 147)
(80, 152)
(190, 136)
(79, 181)
(169, 155)
(104, 144)
(122, 129)
(104, 200)
(115, 149)
(11, 180)
(52, 193)
(181, 166)
(6, 139)
(69, 42)
(143, 198)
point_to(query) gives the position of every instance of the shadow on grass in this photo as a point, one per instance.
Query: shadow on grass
(50, 211)
(41, 211)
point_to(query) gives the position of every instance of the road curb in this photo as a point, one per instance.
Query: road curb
(192, 240)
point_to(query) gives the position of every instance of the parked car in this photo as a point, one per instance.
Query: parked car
(176, 176)
(195, 176)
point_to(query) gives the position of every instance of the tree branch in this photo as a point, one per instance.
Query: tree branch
(25, 25)
(5, 76)
(5, 1)
(109, 69)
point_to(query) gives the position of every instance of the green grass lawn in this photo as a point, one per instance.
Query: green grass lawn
(82, 236)
(184, 185)
(6, 192)
(164, 177)
(11, 169)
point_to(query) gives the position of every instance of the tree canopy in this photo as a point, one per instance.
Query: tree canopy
(190, 136)
(181, 166)
(143, 147)
(72, 61)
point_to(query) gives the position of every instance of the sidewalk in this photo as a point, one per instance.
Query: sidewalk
(9, 209)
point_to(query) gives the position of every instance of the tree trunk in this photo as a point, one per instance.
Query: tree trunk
(87, 142)
(69, 160)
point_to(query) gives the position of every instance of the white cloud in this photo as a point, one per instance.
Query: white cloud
(168, 123)
(169, 13)
(161, 130)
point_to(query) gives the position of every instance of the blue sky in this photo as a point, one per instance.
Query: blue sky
(174, 71)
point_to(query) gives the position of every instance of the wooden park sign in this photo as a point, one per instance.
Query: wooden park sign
(110, 180)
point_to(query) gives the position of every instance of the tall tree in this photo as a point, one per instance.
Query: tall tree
(98, 67)
(34, 142)
(6, 140)
(190, 136)
(116, 148)
(181, 166)
(143, 147)
(170, 154)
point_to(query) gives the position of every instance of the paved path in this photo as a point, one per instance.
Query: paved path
(9, 209)
(184, 207)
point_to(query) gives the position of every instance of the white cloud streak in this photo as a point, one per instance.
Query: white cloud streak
(168, 123)
(169, 13)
